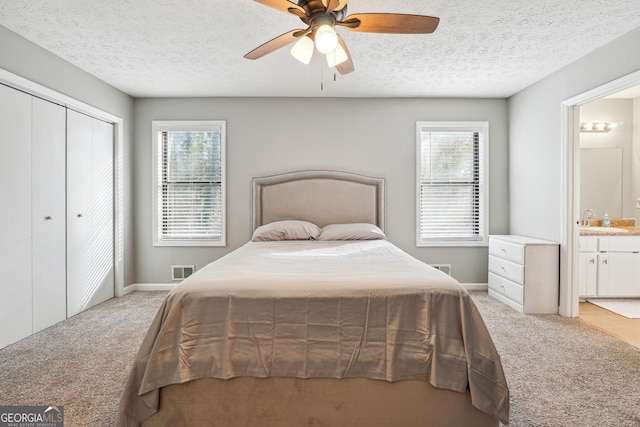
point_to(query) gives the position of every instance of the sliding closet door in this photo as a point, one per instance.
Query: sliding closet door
(48, 142)
(90, 267)
(15, 215)
(102, 263)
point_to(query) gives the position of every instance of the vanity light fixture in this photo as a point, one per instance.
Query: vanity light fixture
(597, 127)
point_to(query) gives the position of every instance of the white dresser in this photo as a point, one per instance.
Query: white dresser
(524, 273)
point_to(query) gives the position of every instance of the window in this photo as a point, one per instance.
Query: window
(188, 183)
(451, 191)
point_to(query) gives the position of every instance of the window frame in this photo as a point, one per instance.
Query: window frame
(158, 126)
(457, 126)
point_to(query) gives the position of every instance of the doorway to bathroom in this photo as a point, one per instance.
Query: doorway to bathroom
(570, 189)
(609, 167)
(606, 159)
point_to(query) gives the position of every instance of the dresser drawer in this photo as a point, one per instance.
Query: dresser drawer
(508, 269)
(506, 287)
(509, 250)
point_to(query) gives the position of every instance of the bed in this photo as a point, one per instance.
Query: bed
(317, 321)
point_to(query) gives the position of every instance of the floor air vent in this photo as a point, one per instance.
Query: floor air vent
(180, 272)
(445, 268)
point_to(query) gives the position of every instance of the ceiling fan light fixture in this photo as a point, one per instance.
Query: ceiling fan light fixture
(302, 50)
(321, 18)
(326, 39)
(337, 57)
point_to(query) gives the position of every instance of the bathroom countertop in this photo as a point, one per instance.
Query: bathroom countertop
(619, 227)
(610, 231)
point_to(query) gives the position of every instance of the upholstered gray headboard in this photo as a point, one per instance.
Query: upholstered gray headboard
(321, 197)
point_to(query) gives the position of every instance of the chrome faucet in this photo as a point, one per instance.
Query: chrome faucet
(589, 213)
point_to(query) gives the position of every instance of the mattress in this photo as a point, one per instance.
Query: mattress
(318, 309)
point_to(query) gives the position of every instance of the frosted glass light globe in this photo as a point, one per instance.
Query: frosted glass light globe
(326, 39)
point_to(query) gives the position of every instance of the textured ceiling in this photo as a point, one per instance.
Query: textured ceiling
(482, 48)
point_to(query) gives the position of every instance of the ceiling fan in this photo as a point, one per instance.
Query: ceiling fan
(321, 16)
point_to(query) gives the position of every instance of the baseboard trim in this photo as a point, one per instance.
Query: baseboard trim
(145, 287)
(475, 286)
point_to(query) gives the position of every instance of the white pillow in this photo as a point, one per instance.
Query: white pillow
(286, 230)
(355, 231)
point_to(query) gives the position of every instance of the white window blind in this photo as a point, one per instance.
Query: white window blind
(189, 184)
(451, 186)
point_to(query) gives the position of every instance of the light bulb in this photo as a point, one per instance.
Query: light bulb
(326, 39)
(303, 50)
(337, 57)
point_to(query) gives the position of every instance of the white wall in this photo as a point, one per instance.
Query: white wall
(266, 136)
(23, 58)
(535, 162)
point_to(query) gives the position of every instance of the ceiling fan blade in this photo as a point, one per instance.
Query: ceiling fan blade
(391, 23)
(283, 6)
(332, 5)
(273, 44)
(299, 13)
(301, 33)
(347, 66)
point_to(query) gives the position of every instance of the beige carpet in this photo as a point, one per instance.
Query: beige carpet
(80, 363)
(560, 371)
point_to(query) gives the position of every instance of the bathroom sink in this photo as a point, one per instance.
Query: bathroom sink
(604, 230)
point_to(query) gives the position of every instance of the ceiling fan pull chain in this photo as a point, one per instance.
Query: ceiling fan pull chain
(321, 78)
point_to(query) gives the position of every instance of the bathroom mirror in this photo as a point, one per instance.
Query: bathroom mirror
(601, 181)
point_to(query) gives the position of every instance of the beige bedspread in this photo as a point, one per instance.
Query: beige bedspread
(318, 309)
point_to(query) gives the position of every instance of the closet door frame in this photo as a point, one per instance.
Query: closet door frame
(35, 89)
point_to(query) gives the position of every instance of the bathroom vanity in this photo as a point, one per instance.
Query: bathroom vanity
(609, 259)
(609, 265)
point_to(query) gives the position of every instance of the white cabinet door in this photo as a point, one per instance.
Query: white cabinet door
(15, 216)
(48, 214)
(587, 266)
(616, 274)
(587, 273)
(90, 275)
